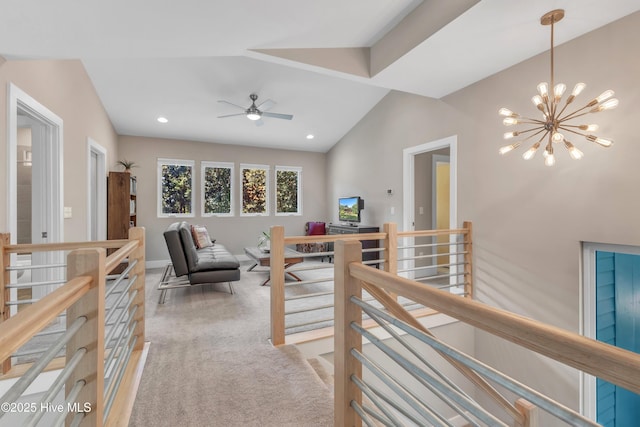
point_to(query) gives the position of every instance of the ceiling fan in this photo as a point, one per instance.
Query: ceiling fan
(256, 113)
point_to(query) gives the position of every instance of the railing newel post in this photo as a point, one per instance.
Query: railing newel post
(5, 278)
(276, 271)
(92, 263)
(391, 248)
(468, 259)
(138, 233)
(345, 338)
(530, 413)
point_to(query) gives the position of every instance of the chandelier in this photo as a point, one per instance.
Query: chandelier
(553, 126)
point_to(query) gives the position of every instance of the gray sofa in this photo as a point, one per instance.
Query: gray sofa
(212, 264)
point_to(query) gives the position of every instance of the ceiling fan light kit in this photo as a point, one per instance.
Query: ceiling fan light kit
(255, 113)
(554, 120)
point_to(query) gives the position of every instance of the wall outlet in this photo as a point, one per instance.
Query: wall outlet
(393, 210)
(421, 210)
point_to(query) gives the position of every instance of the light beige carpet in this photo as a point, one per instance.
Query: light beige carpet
(210, 362)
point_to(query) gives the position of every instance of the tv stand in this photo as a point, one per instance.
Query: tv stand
(357, 229)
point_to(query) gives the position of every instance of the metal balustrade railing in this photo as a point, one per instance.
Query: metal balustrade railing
(396, 379)
(102, 327)
(302, 293)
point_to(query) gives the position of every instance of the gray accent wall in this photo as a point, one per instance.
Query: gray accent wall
(233, 232)
(529, 220)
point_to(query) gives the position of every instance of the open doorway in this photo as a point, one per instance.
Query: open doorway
(34, 186)
(97, 191)
(429, 188)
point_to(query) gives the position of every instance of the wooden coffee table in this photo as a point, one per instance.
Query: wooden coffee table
(263, 259)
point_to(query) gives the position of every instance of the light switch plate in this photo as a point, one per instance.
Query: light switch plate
(68, 212)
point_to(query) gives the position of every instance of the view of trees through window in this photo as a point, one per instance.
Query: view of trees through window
(217, 189)
(287, 191)
(254, 190)
(177, 188)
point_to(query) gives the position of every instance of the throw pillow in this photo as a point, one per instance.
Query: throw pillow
(201, 236)
(317, 229)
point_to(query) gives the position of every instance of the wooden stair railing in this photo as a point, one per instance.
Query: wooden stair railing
(83, 297)
(612, 364)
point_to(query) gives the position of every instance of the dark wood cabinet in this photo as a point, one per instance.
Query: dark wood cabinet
(121, 204)
(357, 229)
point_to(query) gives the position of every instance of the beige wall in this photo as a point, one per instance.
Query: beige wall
(528, 219)
(234, 232)
(65, 89)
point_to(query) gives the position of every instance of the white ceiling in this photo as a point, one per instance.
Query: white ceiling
(176, 59)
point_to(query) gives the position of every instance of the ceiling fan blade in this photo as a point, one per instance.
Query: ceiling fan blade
(231, 103)
(266, 105)
(259, 122)
(278, 115)
(232, 115)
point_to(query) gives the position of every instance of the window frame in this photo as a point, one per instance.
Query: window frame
(297, 169)
(249, 166)
(220, 165)
(175, 162)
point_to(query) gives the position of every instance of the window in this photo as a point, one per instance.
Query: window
(254, 190)
(175, 188)
(288, 190)
(217, 193)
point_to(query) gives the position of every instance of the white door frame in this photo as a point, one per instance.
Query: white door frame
(53, 156)
(588, 314)
(20, 99)
(101, 196)
(408, 184)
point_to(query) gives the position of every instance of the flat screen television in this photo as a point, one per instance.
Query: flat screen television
(349, 209)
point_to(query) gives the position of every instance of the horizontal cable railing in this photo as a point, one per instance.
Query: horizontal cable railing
(99, 324)
(306, 303)
(417, 392)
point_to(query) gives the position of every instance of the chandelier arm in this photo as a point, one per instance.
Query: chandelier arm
(532, 129)
(534, 134)
(564, 108)
(531, 121)
(573, 131)
(573, 115)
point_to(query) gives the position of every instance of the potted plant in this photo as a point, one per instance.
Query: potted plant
(127, 165)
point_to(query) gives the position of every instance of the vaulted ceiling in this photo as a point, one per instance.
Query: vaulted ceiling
(326, 62)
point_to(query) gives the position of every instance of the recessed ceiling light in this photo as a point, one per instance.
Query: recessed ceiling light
(310, 136)
(162, 119)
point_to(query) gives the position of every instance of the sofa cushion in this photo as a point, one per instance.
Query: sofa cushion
(215, 257)
(200, 236)
(190, 250)
(176, 250)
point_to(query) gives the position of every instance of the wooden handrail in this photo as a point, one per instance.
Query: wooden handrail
(613, 364)
(396, 309)
(116, 258)
(333, 237)
(83, 295)
(427, 233)
(388, 246)
(25, 248)
(18, 329)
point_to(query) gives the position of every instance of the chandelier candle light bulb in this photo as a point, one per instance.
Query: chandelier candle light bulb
(553, 121)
